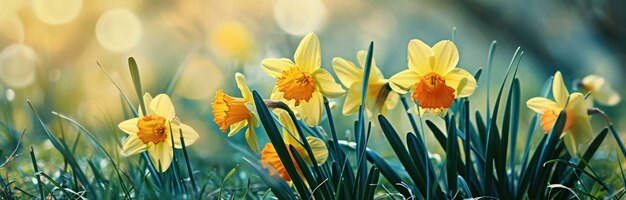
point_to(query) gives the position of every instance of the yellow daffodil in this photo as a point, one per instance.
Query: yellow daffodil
(153, 131)
(236, 113)
(577, 128)
(599, 90)
(303, 83)
(269, 156)
(433, 76)
(352, 77)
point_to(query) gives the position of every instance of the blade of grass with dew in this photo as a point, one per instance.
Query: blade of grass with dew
(57, 185)
(126, 99)
(66, 154)
(36, 168)
(100, 147)
(273, 134)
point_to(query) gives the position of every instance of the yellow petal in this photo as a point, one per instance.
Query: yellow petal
(147, 99)
(236, 127)
(161, 155)
(318, 147)
(251, 139)
(242, 83)
(129, 126)
(289, 131)
(133, 145)
(593, 82)
(606, 95)
(419, 54)
(392, 100)
(376, 74)
(311, 111)
(346, 71)
(162, 106)
(275, 66)
(453, 79)
(559, 91)
(446, 57)
(570, 144)
(327, 84)
(308, 55)
(581, 126)
(189, 135)
(540, 104)
(353, 99)
(404, 81)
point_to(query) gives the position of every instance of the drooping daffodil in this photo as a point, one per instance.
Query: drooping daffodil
(433, 77)
(153, 131)
(236, 113)
(269, 157)
(599, 91)
(577, 129)
(303, 83)
(378, 97)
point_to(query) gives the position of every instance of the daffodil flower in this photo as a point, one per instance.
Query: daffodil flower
(153, 131)
(237, 113)
(577, 128)
(352, 77)
(269, 157)
(433, 76)
(303, 83)
(599, 90)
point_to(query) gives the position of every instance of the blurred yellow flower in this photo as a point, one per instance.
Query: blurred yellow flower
(269, 157)
(153, 132)
(599, 90)
(303, 84)
(433, 76)
(232, 38)
(577, 128)
(237, 113)
(352, 77)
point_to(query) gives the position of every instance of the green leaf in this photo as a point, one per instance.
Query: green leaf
(451, 158)
(402, 154)
(230, 173)
(273, 133)
(372, 183)
(134, 74)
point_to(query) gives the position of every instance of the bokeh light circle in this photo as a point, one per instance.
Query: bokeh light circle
(231, 38)
(12, 27)
(118, 30)
(9, 94)
(194, 83)
(56, 11)
(299, 17)
(17, 66)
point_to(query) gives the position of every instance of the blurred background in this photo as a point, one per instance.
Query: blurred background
(50, 50)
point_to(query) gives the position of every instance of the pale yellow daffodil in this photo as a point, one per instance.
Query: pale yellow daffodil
(269, 156)
(153, 132)
(433, 76)
(303, 84)
(599, 90)
(577, 129)
(351, 76)
(236, 113)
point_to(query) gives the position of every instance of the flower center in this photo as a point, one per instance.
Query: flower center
(548, 119)
(228, 110)
(432, 92)
(296, 84)
(151, 129)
